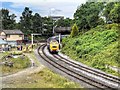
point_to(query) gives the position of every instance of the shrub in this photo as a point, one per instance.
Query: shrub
(110, 26)
(74, 31)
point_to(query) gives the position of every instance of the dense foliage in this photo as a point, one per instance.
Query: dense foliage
(8, 21)
(74, 31)
(115, 13)
(97, 47)
(111, 12)
(64, 22)
(47, 26)
(91, 14)
(32, 23)
(87, 15)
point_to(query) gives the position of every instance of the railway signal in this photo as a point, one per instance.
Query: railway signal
(33, 34)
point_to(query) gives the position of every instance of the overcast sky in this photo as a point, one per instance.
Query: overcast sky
(65, 8)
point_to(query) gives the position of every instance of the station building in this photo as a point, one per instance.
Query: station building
(12, 37)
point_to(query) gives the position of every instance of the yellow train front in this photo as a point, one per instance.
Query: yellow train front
(53, 46)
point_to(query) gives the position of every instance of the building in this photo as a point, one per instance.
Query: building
(12, 36)
(55, 18)
(62, 30)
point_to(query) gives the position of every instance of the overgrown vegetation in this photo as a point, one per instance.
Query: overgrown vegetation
(12, 65)
(89, 15)
(96, 48)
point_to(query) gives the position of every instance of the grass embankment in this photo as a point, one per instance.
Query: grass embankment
(97, 47)
(45, 79)
(19, 63)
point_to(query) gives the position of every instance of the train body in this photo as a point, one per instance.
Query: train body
(52, 45)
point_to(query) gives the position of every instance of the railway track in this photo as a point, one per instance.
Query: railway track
(94, 78)
(88, 69)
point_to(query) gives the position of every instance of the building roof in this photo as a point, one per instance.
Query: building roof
(2, 42)
(13, 32)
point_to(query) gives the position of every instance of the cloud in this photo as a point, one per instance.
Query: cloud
(46, 7)
(41, 1)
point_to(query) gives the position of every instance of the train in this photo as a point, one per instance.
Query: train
(53, 45)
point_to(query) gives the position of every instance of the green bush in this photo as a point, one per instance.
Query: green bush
(96, 48)
(110, 26)
(74, 31)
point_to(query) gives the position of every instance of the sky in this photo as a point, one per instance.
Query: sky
(64, 8)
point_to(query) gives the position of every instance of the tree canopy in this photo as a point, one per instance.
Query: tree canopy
(87, 15)
(115, 13)
(64, 22)
(8, 21)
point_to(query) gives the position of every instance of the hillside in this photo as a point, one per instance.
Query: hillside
(97, 47)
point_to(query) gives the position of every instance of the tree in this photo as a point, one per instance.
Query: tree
(74, 31)
(47, 23)
(37, 23)
(87, 15)
(26, 21)
(12, 21)
(64, 22)
(108, 7)
(8, 21)
(115, 13)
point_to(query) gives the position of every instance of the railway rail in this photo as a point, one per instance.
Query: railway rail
(85, 74)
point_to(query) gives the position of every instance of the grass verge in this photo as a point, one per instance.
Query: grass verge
(45, 79)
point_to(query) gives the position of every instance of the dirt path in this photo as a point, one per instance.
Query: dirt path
(21, 75)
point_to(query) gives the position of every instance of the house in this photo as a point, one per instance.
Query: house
(12, 36)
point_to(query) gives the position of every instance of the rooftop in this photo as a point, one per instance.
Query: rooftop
(13, 31)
